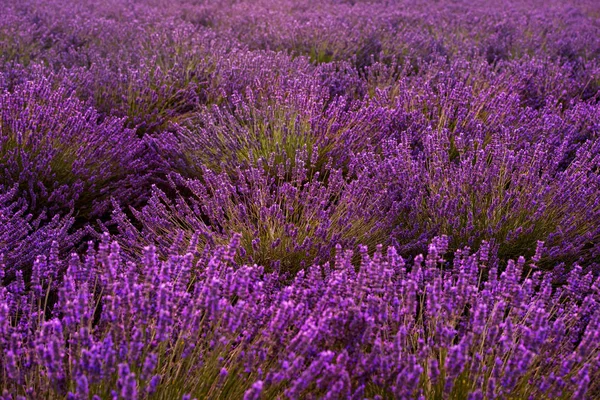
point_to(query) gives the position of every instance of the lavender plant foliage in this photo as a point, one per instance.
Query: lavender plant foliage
(209, 199)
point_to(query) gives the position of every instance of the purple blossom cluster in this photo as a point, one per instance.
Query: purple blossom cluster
(278, 199)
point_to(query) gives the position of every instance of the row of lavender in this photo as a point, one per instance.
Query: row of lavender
(186, 189)
(214, 329)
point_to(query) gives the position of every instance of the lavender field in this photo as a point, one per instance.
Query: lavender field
(299, 199)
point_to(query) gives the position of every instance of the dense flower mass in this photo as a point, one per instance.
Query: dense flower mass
(342, 199)
(202, 324)
(205, 325)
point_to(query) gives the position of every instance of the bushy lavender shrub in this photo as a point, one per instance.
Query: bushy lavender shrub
(491, 169)
(288, 217)
(60, 167)
(273, 124)
(161, 81)
(60, 156)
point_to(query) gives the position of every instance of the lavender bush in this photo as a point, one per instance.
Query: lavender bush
(491, 170)
(342, 199)
(285, 221)
(61, 155)
(60, 168)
